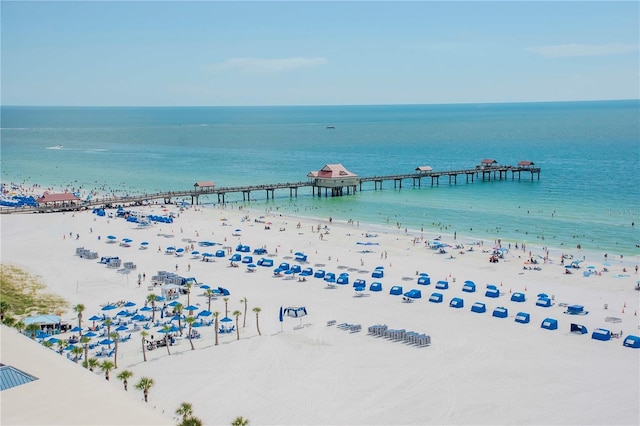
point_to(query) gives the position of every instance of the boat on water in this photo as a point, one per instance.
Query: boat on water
(55, 147)
(331, 127)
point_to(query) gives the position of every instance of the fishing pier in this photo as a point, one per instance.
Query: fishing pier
(332, 179)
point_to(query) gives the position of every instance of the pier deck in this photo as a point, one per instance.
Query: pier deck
(471, 174)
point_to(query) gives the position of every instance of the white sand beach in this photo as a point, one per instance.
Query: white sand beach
(478, 369)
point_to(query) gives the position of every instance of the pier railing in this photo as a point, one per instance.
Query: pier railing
(494, 172)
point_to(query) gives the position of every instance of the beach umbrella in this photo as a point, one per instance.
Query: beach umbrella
(106, 342)
(146, 309)
(127, 240)
(90, 334)
(129, 304)
(174, 303)
(76, 329)
(122, 328)
(172, 329)
(95, 318)
(159, 298)
(195, 252)
(204, 313)
(191, 308)
(68, 348)
(108, 308)
(177, 317)
(122, 313)
(205, 286)
(111, 237)
(53, 340)
(137, 317)
(196, 324)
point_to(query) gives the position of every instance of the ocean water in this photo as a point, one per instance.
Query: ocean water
(589, 153)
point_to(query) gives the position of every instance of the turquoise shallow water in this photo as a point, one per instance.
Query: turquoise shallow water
(589, 153)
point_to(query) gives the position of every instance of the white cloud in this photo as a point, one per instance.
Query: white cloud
(258, 65)
(567, 50)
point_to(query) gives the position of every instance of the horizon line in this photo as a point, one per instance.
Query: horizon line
(319, 105)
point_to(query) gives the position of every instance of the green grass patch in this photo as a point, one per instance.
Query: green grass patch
(24, 294)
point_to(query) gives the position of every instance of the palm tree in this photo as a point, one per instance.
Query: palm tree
(32, 330)
(185, 410)
(125, 375)
(178, 309)
(244, 318)
(79, 309)
(47, 344)
(108, 323)
(209, 293)
(62, 343)
(106, 366)
(151, 299)
(144, 335)
(226, 306)
(115, 337)
(239, 421)
(187, 288)
(5, 307)
(165, 330)
(20, 325)
(216, 314)
(237, 315)
(190, 321)
(257, 311)
(144, 385)
(76, 351)
(191, 421)
(92, 363)
(84, 340)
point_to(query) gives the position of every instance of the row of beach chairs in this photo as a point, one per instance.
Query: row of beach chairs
(400, 335)
(84, 253)
(352, 328)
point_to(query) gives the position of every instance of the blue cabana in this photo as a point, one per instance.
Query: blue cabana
(435, 298)
(549, 324)
(442, 285)
(220, 253)
(296, 269)
(578, 329)
(518, 297)
(631, 341)
(343, 278)
(575, 310)
(523, 318)
(413, 294)
(479, 308)
(456, 302)
(319, 273)
(500, 312)
(247, 259)
(544, 302)
(265, 262)
(424, 279)
(378, 272)
(396, 290)
(469, 287)
(235, 258)
(284, 266)
(330, 277)
(492, 291)
(375, 286)
(359, 282)
(601, 334)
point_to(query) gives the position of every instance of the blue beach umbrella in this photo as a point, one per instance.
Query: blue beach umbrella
(108, 308)
(174, 303)
(129, 304)
(205, 286)
(95, 318)
(76, 329)
(53, 340)
(204, 313)
(146, 309)
(90, 334)
(106, 342)
(122, 328)
(191, 308)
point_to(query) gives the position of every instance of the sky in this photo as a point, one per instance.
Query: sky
(240, 53)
